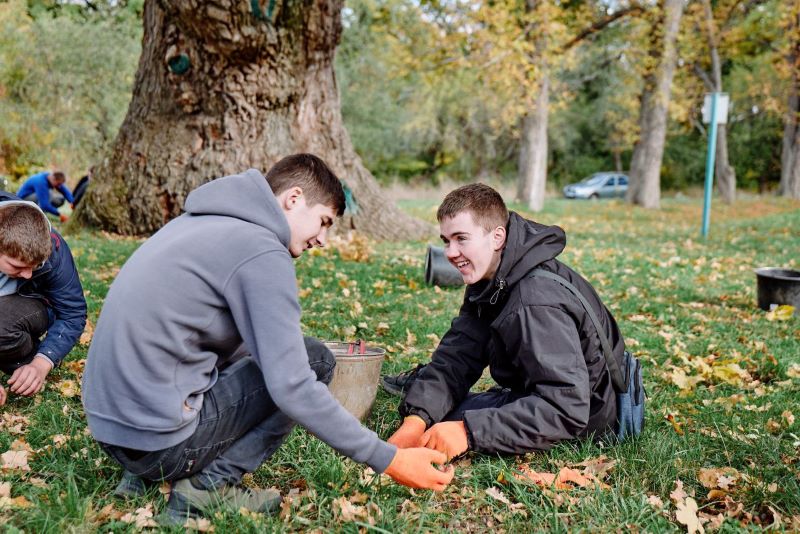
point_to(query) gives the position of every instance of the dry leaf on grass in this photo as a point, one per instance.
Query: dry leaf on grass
(566, 478)
(88, 333)
(686, 514)
(15, 460)
(68, 388)
(142, 517)
(345, 510)
(781, 313)
(718, 477)
(678, 494)
(497, 495)
(201, 525)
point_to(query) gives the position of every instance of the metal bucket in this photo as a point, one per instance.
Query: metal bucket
(777, 286)
(355, 379)
(439, 271)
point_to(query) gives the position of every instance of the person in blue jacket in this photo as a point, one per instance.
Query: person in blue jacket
(44, 188)
(40, 295)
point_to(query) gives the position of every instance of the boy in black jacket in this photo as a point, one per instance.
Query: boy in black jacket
(532, 332)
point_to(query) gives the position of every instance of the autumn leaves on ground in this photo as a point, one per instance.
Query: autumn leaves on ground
(721, 447)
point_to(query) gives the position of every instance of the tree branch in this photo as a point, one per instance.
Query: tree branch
(600, 24)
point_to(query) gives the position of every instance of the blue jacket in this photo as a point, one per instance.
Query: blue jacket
(39, 184)
(57, 283)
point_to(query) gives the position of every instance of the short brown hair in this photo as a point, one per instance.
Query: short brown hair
(313, 176)
(24, 234)
(59, 176)
(484, 203)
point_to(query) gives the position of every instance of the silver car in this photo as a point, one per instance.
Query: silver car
(599, 185)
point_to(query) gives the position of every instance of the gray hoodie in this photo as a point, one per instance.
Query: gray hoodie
(213, 283)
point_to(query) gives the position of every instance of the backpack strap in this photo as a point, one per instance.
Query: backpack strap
(620, 382)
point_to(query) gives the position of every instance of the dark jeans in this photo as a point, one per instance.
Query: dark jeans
(240, 427)
(23, 321)
(56, 198)
(493, 398)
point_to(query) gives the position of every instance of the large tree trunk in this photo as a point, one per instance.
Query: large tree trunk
(645, 175)
(726, 176)
(222, 87)
(790, 154)
(533, 152)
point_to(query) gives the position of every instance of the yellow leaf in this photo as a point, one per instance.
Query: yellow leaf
(731, 374)
(68, 388)
(781, 313)
(88, 332)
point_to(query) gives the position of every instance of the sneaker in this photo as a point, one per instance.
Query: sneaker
(189, 499)
(399, 384)
(131, 486)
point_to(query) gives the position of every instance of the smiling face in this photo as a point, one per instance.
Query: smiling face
(473, 250)
(308, 224)
(15, 268)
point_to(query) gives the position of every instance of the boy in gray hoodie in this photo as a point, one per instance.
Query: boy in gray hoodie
(198, 369)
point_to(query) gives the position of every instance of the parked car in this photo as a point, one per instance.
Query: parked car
(599, 185)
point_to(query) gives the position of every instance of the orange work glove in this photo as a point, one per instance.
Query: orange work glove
(409, 433)
(449, 437)
(63, 218)
(413, 468)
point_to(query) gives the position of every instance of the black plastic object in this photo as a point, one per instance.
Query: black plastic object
(778, 286)
(439, 271)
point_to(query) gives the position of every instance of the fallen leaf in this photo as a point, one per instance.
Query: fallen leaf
(678, 494)
(686, 514)
(563, 480)
(788, 417)
(200, 524)
(68, 388)
(142, 517)
(655, 501)
(497, 495)
(15, 460)
(793, 371)
(717, 477)
(5, 489)
(88, 333)
(781, 313)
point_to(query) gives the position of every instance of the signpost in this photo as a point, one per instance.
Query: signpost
(715, 111)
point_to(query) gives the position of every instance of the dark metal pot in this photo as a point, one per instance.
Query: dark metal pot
(439, 271)
(778, 286)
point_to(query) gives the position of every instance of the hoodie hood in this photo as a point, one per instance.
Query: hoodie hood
(245, 196)
(528, 244)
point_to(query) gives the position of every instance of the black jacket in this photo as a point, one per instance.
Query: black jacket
(537, 339)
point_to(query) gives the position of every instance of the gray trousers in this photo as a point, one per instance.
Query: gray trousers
(240, 427)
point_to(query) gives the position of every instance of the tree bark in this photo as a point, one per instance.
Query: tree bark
(648, 152)
(533, 153)
(224, 86)
(532, 171)
(725, 174)
(790, 153)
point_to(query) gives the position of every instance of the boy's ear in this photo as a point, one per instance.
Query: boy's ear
(290, 197)
(499, 237)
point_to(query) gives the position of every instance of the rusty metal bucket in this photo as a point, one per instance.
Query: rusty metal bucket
(355, 380)
(777, 286)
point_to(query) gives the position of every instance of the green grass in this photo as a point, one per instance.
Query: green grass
(681, 302)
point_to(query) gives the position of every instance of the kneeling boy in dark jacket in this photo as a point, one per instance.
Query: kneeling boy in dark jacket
(533, 333)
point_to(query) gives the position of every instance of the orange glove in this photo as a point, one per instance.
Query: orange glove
(409, 433)
(449, 437)
(63, 218)
(412, 468)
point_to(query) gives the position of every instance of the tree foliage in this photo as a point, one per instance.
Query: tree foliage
(65, 79)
